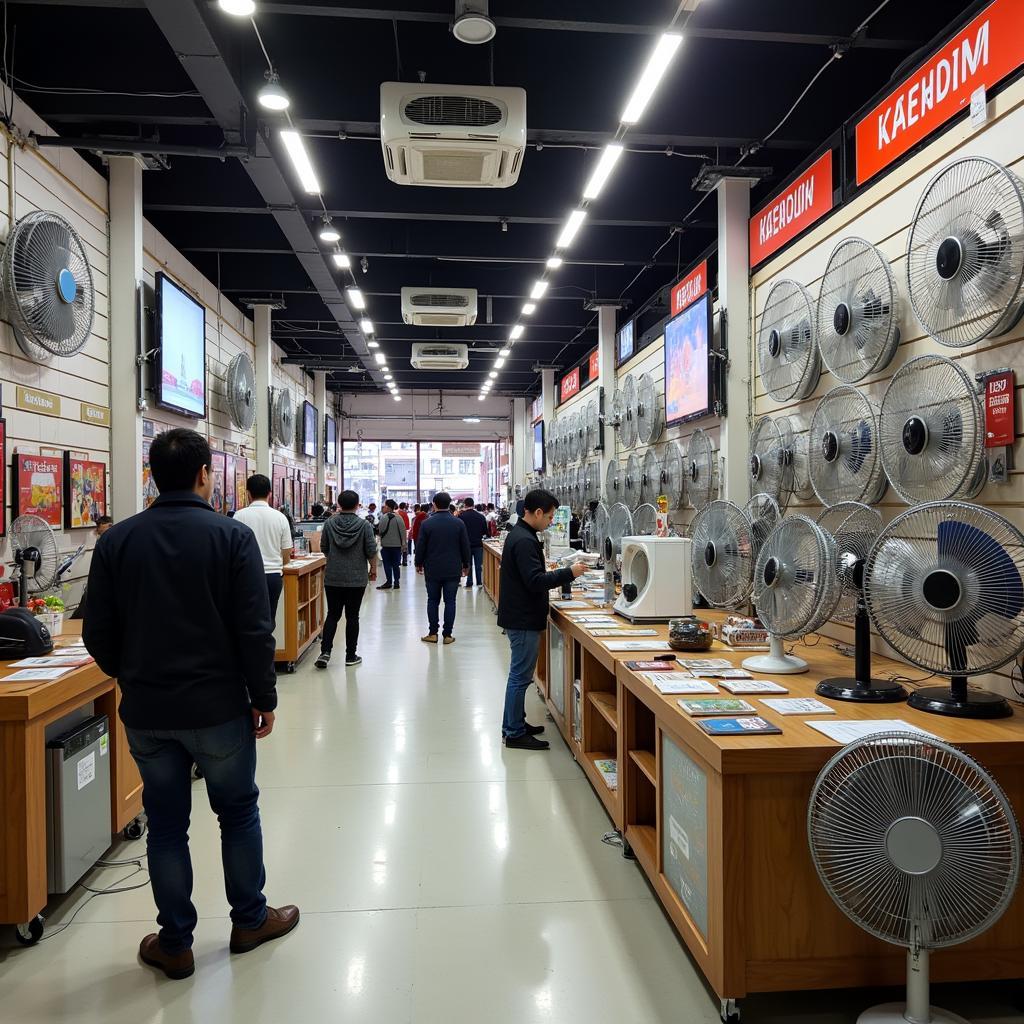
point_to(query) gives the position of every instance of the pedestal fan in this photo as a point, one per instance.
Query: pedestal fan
(35, 556)
(701, 469)
(915, 843)
(846, 462)
(944, 585)
(787, 343)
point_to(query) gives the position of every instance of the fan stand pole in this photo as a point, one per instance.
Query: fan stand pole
(917, 1009)
(776, 662)
(861, 688)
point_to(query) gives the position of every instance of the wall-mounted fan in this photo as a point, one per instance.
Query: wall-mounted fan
(787, 343)
(627, 428)
(650, 477)
(48, 292)
(241, 391)
(796, 439)
(631, 480)
(771, 462)
(764, 514)
(917, 845)
(831, 517)
(845, 459)
(645, 521)
(701, 470)
(932, 431)
(284, 418)
(649, 420)
(551, 446)
(591, 426)
(858, 312)
(613, 482)
(722, 555)
(574, 436)
(673, 475)
(944, 585)
(965, 252)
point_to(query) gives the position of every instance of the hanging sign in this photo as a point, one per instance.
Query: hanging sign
(460, 450)
(690, 287)
(981, 54)
(796, 208)
(570, 384)
(999, 410)
(593, 367)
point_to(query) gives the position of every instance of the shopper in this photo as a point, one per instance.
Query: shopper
(476, 527)
(523, 611)
(371, 515)
(418, 520)
(179, 616)
(442, 557)
(103, 523)
(273, 534)
(351, 551)
(403, 512)
(391, 530)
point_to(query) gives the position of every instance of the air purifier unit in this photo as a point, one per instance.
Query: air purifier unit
(656, 584)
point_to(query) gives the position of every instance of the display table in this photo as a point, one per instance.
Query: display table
(492, 569)
(300, 612)
(25, 711)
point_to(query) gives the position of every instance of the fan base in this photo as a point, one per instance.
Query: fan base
(875, 691)
(895, 1013)
(775, 664)
(939, 700)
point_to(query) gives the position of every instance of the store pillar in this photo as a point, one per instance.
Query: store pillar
(606, 367)
(520, 464)
(320, 401)
(264, 365)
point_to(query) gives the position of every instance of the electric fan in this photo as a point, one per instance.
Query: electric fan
(965, 252)
(620, 524)
(631, 481)
(592, 424)
(932, 432)
(673, 475)
(795, 439)
(581, 432)
(579, 478)
(586, 483)
(34, 552)
(48, 290)
(701, 469)
(858, 312)
(618, 413)
(613, 483)
(795, 589)
(787, 343)
(645, 521)
(284, 418)
(628, 426)
(722, 555)
(550, 446)
(831, 518)
(241, 391)
(854, 536)
(845, 461)
(771, 463)
(649, 422)
(650, 477)
(573, 437)
(943, 584)
(917, 844)
(764, 514)
(595, 528)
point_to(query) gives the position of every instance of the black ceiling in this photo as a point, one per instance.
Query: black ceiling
(743, 64)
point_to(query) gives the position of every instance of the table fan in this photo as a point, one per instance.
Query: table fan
(35, 556)
(722, 556)
(787, 342)
(846, 464)
(620, 524)
(673, 475)
(795, 590)
(701, 469)
(764, 514)
(944, 585)
(613, 482)
(915, 843)
(771, 463)
(795, 438)
(645, 521)
(595, 529)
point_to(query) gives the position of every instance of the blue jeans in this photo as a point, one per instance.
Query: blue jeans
(476, 566)
(525, 645)
(392, 559)
(435, 589)
(227, 756)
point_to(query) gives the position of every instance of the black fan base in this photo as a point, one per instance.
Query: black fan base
(940, 700)
(874, 691)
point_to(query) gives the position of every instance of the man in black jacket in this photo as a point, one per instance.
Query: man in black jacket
(179, 615)
(523, 611)
(442, 557)
(476, 528)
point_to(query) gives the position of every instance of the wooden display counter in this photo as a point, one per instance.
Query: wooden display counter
(300, 612)
(26, 709)
(492, 569)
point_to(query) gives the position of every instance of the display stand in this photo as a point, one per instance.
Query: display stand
(300, 612)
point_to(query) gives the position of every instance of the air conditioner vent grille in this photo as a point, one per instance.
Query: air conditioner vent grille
(440, 299)
(466, 111)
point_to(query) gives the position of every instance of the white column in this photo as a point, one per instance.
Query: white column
(519, 460)
(547, 398)
(606, 361)
(125, 190)
(264, 376)
(734, 298)
(320, 401)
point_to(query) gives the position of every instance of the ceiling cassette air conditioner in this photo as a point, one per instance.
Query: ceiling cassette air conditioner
(452, 136)
(435, 355)
(439, 307)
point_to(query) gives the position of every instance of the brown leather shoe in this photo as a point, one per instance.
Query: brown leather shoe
(430, 638)
(176, 967)
(449, 639)
(280, 921)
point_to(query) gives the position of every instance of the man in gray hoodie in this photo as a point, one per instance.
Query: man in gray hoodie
(349, 546)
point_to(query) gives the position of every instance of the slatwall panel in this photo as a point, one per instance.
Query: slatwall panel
(883, 215)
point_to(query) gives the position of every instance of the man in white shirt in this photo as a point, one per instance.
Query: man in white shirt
(273, 534)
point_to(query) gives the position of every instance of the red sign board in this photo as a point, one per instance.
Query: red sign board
(690, 287)
(570, 384)
(980, 54)
(999, 410)
(39, 487)
(594, 367)
(797, 207)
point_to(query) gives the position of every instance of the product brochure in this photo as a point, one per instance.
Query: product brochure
(721, 706)
(846, 732)
(570, 604)
(609, 769)
(657, 663)
(737, 726)
(676, 682)
(636, 645)
(36, 675)
(753, 686)
(706, 666)
(601, 631)
(53, 661)
(798, 706)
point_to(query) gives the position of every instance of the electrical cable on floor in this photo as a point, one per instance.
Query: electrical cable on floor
(612, 839)
(115, 887)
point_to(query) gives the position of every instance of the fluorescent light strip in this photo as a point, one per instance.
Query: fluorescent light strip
(604, 168)
(499, 363)
(373, 344)
(505, 352)
(355, 296)
(554, 262)
(481, 398)
(539, 288)
(572, 225)
(529, 308)
(652, 74)
(296, 149)
(493, 374)
(517, 331)
(380, 357)
(397, 398)
(341, 260)
(366, 325)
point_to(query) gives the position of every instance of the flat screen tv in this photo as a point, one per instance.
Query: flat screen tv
(624, 342)
(330, 441)
(181, 350)
(687, 343)
(538, 447)
(309, 429)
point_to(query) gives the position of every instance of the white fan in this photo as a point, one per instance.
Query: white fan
(284, 418)
(771, 462)
(649, 420)
(631, 481)
(787, 343)
(620, 524)
(591, 426)
(613, 492)
(764, 514)
(673, 475)
(701, 470)
(845, 457)
(627, 429)
(241, 391)
(645, 521)
(650, 477)
(723, 554)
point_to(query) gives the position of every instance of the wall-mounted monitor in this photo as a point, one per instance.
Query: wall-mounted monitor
(538, 447)
(624, 343)
(687, 345)
(181, 350)
(330, 441)
(309, 429)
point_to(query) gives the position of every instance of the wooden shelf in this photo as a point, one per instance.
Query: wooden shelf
(607, 705)
(644, 760)
(644, 840)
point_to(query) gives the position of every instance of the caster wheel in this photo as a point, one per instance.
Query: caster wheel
(730, 1012)
(30, 933)
(134, 830)
(627, 851)
(290, 667)
(197, 772)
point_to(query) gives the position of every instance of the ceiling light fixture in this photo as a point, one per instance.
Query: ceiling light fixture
(470, 419)
(380, 357)
(572, 225)
(328, 232)
(355, 296)
(373, 344)
(239, 8)
(366, 325)
(529, 308)
(472, 24)
(481, 398)
(493, 375)
(539, 288)
(657, 65)
(387, 376)
(272, 96)
(397, 398)
(504, 352)
(296, 149)
(499, 363)
(604, 168)
(341, 260)
(554, 262)
(516, 332)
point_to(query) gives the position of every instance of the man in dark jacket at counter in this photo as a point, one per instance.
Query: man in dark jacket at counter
(179, 615)
(523, 611)
(476, 528)
(442, 557)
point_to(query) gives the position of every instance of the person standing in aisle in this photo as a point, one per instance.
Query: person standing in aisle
(403, 512)
(476, 528)
(273, 534)
(179, 616)
(371, 515)
(349, 546)
(391, 530)
(442, 558)
(418, 519)
(523, 611)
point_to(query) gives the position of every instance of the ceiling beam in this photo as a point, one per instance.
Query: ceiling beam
(270, 292)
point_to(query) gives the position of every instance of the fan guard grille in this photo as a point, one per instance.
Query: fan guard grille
(32, 531)
(673, 473)
(845, 461)
(787, 343)
(722, 555)
(241, 391)
(700, 468)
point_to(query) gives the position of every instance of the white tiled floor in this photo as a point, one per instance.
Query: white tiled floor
(441, 878)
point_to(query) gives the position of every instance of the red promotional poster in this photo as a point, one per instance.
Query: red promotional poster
(241, 475)
(217, 468)
(794, 209)
(277, 496)
(981, 54)
(38, 487)
(690, 287)
(149, 491)
(229, 482)
(593, 367)
(570, 384)
(999, 410)
(85, 496)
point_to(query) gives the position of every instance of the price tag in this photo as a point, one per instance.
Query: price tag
(979, 106)
(999, 409)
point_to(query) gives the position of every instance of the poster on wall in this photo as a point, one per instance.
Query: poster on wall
(229, 482)
(217, 468)
(241, 475)
(3, 479)
(277, 485)
(149, 491)
(38, 487)
(85, 494)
